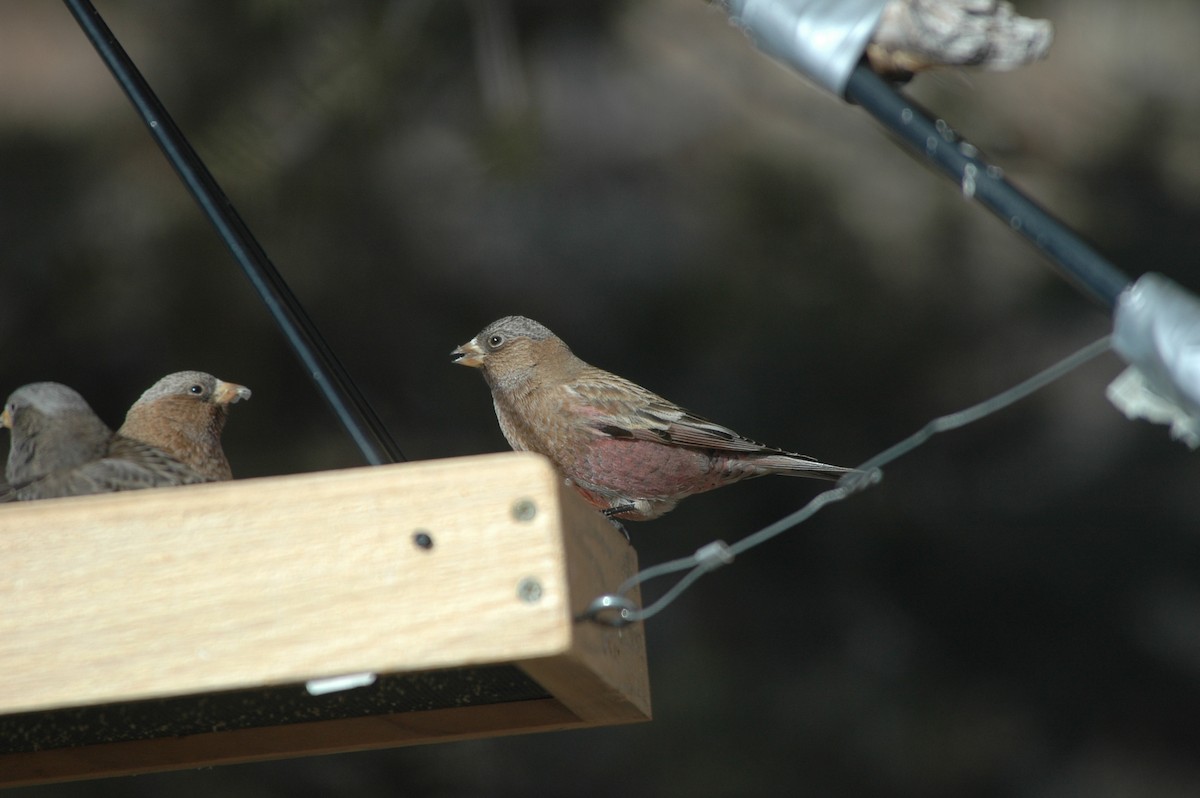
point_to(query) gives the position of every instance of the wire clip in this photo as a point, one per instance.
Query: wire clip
(713, 555)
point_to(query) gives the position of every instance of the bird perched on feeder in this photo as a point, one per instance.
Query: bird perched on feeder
(629, 452)
(59, 447)
(183, 414)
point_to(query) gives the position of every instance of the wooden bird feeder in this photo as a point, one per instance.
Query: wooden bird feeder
(182, 627)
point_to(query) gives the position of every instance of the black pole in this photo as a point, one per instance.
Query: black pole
(959, 160)
(331, 379)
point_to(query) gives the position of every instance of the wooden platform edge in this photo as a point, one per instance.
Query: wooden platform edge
(603, 676)
(594, 675)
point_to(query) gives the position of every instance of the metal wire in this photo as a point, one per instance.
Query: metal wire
(330, 377)
(616, 609)
(960, 160)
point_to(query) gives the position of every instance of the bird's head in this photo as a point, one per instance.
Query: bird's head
(195, 385)
(508, 350)
(45, 400)
(52, 427)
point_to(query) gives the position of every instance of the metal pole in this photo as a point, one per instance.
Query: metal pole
(343, 396)
(958, 159)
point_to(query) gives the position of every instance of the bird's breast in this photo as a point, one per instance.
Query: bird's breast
(645, 469)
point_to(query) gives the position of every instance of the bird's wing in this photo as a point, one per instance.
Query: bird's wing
(131, 464)
(128, 465)
(619, 408)
(110, 475)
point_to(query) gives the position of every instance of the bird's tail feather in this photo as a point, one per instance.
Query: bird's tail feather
(795, 465)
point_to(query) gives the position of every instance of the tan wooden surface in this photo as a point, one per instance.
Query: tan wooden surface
(275, 581)
(603, 675)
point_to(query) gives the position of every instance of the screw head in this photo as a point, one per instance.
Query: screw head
(529, 590)
(422, 539)
(524, 510)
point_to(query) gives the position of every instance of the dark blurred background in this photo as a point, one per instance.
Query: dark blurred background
(1014, 611)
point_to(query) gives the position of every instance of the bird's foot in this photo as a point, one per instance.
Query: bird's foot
(611, 514)
(619, 509)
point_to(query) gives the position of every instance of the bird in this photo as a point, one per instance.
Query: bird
(629, 452)
(183, 414)
(60, 447)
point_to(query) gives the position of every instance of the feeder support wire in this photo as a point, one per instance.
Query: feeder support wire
(343, 396)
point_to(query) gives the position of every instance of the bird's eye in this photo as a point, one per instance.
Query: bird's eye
(495, 341)
(196, 389)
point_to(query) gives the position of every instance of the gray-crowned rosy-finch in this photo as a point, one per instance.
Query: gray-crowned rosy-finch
(628, 451)
(59, 447)
(183, 414)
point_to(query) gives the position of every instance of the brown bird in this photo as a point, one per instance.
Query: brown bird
(59, 447)
(183, 414)
(628, 451)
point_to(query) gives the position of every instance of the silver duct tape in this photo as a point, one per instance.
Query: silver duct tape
(822, 39)
(1157, 331)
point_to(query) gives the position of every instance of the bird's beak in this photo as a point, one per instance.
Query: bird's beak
(228, 393)
(469, 354)
(6, 419)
